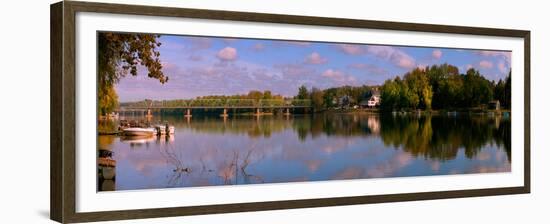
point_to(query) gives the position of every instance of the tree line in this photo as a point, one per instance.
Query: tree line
(436, 87)
(443, 87)
(253, 95)
(250, 99)
(343, 96)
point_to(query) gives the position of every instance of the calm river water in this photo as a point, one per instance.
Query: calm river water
(208, 151)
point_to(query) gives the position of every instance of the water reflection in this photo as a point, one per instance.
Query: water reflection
(208, 151)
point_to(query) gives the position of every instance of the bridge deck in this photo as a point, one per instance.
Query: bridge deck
(211, 107)
(218, 104)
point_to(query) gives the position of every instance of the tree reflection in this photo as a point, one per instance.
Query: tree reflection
(438, 137)
(441, 137)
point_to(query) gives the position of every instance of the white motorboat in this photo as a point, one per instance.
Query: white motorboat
(138, 131)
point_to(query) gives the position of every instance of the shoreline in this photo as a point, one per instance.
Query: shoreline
(410, 111)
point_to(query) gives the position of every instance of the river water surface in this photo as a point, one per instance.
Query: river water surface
(209, 151)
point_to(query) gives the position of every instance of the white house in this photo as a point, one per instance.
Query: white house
(374, 101)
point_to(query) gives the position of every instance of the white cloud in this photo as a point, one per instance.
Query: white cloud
(227, 54)
(485, 64)
(502, 54)
(352, 49)
(338, 76)
(403, 60)
(437, 54)
(316, 59)
(503, 57)
(394, 55)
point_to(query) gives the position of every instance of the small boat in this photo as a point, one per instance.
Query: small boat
(161, 129)
(138, 131)
(165, 129)
(171, 130)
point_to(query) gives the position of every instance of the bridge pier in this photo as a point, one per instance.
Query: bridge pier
(258, 112)
(188, 113)
(287, 112)
(224, 115)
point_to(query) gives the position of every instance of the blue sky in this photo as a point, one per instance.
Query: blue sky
(198, 66)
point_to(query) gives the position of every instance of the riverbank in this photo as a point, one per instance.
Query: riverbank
(105, 129)
(418, 111)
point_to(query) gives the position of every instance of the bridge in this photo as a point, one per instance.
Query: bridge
(224, 104)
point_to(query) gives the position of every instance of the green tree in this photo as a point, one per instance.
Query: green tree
(107, 101)
(408, 99)
(317, 99)
(303, 93)
(439, 76)
(330, 97)
(267, 95)
(120, 54)
(390, 95)
(419, 89)
(453, 92)
(255, 94)
(499, 92)
(477, 89)
(508, 91)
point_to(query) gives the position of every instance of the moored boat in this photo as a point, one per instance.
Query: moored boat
(161, 129)
(171, 130)
(138, 131)
(165, 129)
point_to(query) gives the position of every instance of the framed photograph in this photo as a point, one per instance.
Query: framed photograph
(161, 112)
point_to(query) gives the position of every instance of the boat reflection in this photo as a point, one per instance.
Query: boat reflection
(136, 141)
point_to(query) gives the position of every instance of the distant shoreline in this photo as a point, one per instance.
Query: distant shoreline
(379, 111)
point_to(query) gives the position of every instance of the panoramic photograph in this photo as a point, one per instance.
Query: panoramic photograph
(179, 111)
